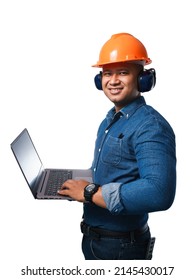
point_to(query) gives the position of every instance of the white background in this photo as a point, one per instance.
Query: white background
(46, 84)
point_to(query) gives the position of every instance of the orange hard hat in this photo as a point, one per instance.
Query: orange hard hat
(123, 47)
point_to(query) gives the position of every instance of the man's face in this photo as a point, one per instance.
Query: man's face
(119, 83)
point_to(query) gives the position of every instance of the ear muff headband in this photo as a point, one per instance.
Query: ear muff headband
(146, 80)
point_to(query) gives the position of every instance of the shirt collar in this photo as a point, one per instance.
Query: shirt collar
(128, 110)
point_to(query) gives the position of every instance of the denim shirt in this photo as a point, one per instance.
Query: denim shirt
(135, 163)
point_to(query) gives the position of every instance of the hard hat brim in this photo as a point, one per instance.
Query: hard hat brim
(142, 62)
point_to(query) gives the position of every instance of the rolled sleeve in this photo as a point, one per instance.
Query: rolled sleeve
(111, 195)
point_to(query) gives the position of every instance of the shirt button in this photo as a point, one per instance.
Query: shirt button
(99, 150)
(116, 210)
(94, 169)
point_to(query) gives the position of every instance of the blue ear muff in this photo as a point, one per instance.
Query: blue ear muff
(146, 80)
(98, 81)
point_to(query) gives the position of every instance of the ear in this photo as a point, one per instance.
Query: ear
(146, 80)
(98, 81)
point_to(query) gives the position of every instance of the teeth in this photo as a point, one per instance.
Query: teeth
(115, 90)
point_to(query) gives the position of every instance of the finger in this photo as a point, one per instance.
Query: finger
(62, 192)
(64, 187)
(67, 183)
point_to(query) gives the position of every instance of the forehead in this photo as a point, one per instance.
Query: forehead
(120, 65)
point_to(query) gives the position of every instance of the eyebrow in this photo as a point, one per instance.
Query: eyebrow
(119, 69)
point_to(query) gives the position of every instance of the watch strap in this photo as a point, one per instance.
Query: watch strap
(88, 195)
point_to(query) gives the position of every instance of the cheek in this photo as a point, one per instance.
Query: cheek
(135, 83)
(104, 84)
(132, 84)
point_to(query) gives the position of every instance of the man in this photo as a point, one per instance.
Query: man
(134, 166)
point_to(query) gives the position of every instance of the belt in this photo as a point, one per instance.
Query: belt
(96, 232)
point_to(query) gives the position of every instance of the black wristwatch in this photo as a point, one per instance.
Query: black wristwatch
(89, 191)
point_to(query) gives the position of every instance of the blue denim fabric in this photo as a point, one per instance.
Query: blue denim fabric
(135, 163)
(106, 248)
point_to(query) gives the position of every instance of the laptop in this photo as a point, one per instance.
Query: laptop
(43, 183)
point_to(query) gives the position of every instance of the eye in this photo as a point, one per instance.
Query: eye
(107, 74)
(123, 73)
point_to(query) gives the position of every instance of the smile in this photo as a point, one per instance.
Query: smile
(115, 90)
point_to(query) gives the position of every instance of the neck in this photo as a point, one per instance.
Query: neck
(118, 107)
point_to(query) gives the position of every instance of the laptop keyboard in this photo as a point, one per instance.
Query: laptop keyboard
(56, 179)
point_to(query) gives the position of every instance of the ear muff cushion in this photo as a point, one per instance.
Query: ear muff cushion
(98, 81)
(146, 80)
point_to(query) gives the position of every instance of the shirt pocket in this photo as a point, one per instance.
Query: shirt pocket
(111, 151)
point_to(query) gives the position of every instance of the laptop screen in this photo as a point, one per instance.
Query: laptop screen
(27, 158)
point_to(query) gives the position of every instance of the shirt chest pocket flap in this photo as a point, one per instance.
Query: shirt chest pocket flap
(111, 150)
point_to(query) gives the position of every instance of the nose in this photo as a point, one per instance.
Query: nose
(114, 79)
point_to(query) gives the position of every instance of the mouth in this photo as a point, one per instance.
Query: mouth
(115, 90)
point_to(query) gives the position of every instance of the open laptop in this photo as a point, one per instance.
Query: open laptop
(43, 183)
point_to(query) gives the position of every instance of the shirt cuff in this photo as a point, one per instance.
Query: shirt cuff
(111, 196)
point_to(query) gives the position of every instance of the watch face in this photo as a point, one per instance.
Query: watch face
(90, 188)
(89, 191)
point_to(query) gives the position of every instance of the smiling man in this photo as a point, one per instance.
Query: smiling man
(119, 83)
(134, 165)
